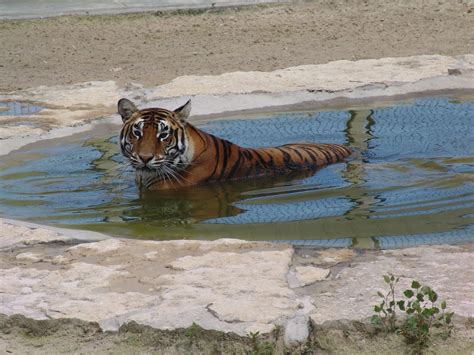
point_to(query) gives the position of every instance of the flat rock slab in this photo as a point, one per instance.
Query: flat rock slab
(351, 293)
(306, 275)
(15, 234)
(227, 285)
(334, 76)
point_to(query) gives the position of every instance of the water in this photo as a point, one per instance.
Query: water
(410, 182)
(16, 108)
(18, 113)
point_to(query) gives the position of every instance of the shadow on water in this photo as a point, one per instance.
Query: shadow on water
(409, 182)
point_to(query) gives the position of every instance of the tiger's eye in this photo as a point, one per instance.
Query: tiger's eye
(137, 132)
(164, 130)
(164, 136)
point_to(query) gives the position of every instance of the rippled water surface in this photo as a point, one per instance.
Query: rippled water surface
(410, 182)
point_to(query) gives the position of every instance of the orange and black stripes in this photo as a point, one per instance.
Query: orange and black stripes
(230, 161)
(168, 152)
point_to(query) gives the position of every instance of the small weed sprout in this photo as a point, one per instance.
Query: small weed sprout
(386, 309)
(259, 347)
(193, 331)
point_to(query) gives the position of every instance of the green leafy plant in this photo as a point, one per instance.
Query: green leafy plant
(260, 347)
(386, 309)
(423, 314)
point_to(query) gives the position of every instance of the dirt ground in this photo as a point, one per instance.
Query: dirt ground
(19, 335)
(154, 48)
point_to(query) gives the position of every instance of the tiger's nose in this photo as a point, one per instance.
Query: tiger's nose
(145, 158)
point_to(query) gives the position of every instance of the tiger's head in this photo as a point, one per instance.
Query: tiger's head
(154, 140)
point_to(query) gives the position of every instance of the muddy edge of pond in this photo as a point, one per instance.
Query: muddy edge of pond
(230, 286)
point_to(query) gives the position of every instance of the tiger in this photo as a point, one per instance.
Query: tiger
(168, 152)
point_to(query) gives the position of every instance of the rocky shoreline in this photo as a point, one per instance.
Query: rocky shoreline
(227, 286)
(231, 286)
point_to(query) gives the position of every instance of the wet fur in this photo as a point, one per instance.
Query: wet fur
(168, 152)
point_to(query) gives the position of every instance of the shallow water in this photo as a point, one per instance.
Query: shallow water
(15, 108)
(16, 113)
(410, 182)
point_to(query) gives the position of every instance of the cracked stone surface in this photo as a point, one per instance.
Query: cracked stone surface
(14, 235)
(227, 285)
(306, 275)
(351, 293)
(220, 290)
(333, 76)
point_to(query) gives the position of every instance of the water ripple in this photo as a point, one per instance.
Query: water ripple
(409, 182)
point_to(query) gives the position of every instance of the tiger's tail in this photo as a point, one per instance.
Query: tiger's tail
(306, 156)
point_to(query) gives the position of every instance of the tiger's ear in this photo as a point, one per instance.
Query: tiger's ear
(182, 113)
(126, 109)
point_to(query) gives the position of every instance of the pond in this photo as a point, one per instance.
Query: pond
(409, 182)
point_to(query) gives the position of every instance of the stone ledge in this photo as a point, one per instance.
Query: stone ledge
(16, 234)
(225, 285)
(335, 76)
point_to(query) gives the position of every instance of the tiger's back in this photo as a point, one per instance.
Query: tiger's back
(168, 152)
(226, 160)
